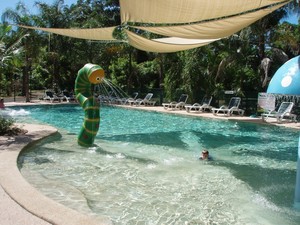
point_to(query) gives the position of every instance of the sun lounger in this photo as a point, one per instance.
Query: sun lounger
(146, 101)
(284, 111)
(177, 105)
(233, 107)
(197, 107)
(67, 96)
(127, 101)
(49, 95)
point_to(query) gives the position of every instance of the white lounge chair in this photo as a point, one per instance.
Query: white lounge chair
(49, 95)
(177, 105)
(284, 111)
(67, 96)
(146, 101)
(108, 98)
(131, 99)
(197, 107)
(232, 107)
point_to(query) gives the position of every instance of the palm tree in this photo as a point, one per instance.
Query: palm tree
(21, 16)
(11, 51)
(54, 16)
(263, 33)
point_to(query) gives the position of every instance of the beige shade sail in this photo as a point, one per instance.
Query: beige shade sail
(211, 29)
(183, 11)
(165, 45)
(229, 16)
(105, 34)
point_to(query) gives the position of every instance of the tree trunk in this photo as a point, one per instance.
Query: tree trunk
(26, 81)
(261, 46)
(129, 80)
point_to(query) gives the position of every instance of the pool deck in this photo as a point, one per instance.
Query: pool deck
(22, 204)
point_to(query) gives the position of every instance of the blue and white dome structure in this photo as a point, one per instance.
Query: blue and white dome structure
(286, 81)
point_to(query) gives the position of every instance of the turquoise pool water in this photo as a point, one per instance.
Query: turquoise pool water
(144, 168)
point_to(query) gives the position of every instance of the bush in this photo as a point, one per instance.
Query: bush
(7, 128)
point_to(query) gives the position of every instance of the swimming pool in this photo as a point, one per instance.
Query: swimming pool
(144, 168)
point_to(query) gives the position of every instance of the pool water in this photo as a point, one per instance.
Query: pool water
(144, 168)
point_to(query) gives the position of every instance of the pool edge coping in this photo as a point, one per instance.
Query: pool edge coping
(25, 195)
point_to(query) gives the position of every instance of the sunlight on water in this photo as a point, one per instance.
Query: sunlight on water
(144, 168)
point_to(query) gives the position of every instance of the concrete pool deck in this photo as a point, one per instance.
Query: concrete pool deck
(22, 204)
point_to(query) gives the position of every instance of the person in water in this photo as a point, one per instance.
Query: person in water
(2, 106)
(205, 155)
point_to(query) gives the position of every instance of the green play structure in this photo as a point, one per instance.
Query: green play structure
(88, 75)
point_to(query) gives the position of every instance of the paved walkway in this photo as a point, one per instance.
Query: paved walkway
(21, 204)
(11, 212)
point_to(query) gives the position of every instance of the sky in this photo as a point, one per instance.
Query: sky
(293, 18)
(4, 4)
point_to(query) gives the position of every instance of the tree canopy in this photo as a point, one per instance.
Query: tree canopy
(243, 62)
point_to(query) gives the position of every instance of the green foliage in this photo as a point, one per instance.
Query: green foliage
(148, 74)
(7, 128)
(173, 81)
(118, 72)
(5, 125)
(10, 57)
(143, 75)
(43, 60)
(287, 38)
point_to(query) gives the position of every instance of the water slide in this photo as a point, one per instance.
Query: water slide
(88, 75)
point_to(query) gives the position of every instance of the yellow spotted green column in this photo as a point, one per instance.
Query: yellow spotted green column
(88, 75)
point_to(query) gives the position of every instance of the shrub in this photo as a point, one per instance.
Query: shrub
(7, 128)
